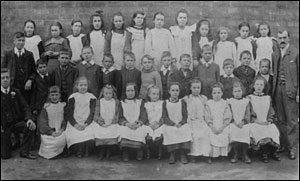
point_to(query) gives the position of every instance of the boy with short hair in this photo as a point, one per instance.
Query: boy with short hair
(227, 79)
(264, 71)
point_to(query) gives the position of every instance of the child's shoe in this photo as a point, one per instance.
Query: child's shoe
(172, 158)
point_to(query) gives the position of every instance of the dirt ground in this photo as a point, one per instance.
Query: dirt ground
(90, 168)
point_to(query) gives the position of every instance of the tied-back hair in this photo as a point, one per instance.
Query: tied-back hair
(135, 89)
(238, 83)
(98, 13)
(174, 83)
(113, 27)
(58, 24)
(148, 99)
(259, 25)
(217, 85)
(34, 25)
(78, 80)
(110, 87)
(196, 80)
(77, 21)
(266, 86)
(218, 36)
(182, 10)
(244, 24)
(158, 13)
(197, 31)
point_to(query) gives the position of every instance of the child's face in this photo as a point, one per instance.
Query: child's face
(196, 88)
(259, 86)
(244, 32)
(159, 21)
(129, 62)
(207, 54)
(154, 95)
(228, 69)
(107, 62)
(76, 28)
(29, 29)
(82, 86)
(264, 68)
(263, 30)
(5, 80)
(87, 54)
(108, 93)
(97, 22)
(42, 69)
(246, 59)
(217, 93)
(185, 63)
(237, 92)
(204, 30)
(63, 59)
(54, 97)
(147, 64)
(19, 42)
(55, 31)
(130, 92)
(166, 61)
(118, 22)
(174, 91)
(182, 19)
(223, 35)
(139, 20)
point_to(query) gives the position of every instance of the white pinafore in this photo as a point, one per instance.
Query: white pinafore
(117, 48)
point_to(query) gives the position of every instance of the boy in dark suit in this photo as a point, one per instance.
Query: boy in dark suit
(15, 118)
(21, 65)
(264, 71)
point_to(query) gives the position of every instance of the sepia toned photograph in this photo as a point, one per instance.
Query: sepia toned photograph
(149, 90)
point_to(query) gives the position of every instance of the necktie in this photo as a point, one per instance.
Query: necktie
(106, 71)
(6, 91)
(19, 53)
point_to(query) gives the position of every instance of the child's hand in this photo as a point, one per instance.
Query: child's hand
(105, 125)
(214, 130)
(79, 127)
(2, 131)
(178, 125)
(174, 60)
(49, 53)
(31, 125)
(28, 85)
(297, 99)
(239, 125)
(195, 63)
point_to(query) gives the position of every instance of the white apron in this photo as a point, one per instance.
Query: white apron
(237, 134)
(97, 43)
(242, 45)
(261, 106)
(81, 113)
(31, 44)
(173, 135)
(76, 46)
(53, 146)
(154, 112)
(117, 48)
(131, 111)
(137, 45)
(264, 50)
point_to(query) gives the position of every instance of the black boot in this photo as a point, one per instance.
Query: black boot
(244, 153)
(264, 150)
(183, 158)
(235, 149)
(172, 157)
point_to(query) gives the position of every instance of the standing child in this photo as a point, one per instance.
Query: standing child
(130, 73)
(266, 45)
(133, 132)
(115, 40)
(33, 42)
(228, 78)
(149, 76)
(224, 49)
(264, 71)
(182, 34)
(106, 130)
(177, 134)
(75, 41)
(65, 75)
(52, 124)
(239, 129)
(112, 75)
(183, 75)
(54, 45)
(159, 39)
(244, 72)
(244, 42)
(200, 37)
(166, 72)
(196, 105)
(80, 113)
(263, 131)
(20, 63)
(92, 71)
(220, 117)
(207, 70)
(96, 37)
(135, 37)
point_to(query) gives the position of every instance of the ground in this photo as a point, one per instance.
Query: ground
(91, 169)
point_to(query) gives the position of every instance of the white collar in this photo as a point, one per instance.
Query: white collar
(165, 69)
(265, 76)
(204, 62)
(285, 48)
(109, 70)
(17, 51)
(43, 75)
(225, 75)
(3, 89)
(92, 62)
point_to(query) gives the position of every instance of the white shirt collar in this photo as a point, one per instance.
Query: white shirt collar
(265, 76)
(163, 68)
(42, 75)
(283, 50)
(92, 62)
(225, 75)
(17, 51)
(3, 90)
(206, 63)
(109, 70)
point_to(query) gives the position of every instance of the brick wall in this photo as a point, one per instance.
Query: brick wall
(231, 13)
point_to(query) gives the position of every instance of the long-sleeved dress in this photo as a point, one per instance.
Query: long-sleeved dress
(52, 120)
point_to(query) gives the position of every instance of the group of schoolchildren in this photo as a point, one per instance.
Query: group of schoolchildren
(140, 89)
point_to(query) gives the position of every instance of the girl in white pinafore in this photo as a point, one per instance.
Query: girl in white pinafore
(106, 129)
(196, 105)
(133, 132)
(52, 126)
(220, 117)
(80, 115)
(159, 40)
(115, 40)
(263, 131)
